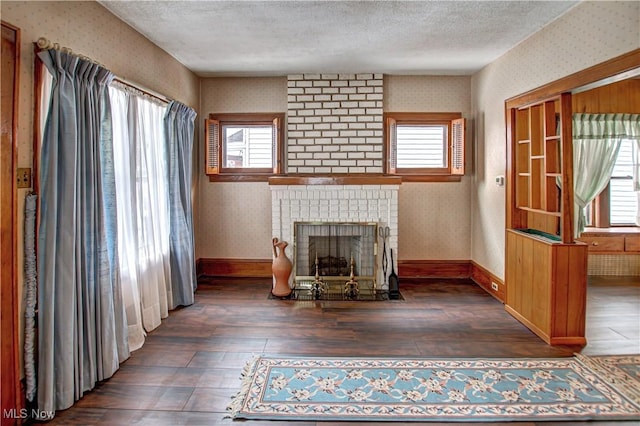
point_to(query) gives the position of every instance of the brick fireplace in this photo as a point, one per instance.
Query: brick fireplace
(335, 128)
(334, 203)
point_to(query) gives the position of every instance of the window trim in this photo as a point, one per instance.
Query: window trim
(214, 149)
(601, 213)
(601, 209)
(455, 146)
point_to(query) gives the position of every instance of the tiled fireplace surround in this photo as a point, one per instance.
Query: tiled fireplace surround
(334, 126)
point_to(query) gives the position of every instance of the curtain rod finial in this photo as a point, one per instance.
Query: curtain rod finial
(43, 43)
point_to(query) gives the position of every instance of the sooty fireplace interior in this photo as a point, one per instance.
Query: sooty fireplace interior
(335, 246)
(333, 253)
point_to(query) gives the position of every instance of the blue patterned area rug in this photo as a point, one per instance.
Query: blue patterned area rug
(423, 390)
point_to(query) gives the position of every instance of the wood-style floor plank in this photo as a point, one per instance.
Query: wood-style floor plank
(189, 367)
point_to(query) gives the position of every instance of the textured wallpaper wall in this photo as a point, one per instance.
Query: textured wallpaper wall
(235, 218)
(433, 218)
(88, 29)
(588, 34)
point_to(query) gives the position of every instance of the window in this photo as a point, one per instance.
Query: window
(623, 201)
(617, 204)
(243, 146)
(425, 146)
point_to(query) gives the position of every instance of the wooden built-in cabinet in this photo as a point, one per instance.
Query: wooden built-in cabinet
(612, 240)
(546, 269)
(546, 286)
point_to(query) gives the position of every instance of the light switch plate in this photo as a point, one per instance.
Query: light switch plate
(24, 178)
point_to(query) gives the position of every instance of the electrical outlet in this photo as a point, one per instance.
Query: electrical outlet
(494, 286)
(24, 178)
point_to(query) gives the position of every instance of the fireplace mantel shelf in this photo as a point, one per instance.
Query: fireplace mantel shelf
(335, 180)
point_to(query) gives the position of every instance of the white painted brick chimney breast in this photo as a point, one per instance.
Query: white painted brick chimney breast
(334, 123)
(334, 126)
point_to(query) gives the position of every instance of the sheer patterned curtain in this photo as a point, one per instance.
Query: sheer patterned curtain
(596, 142)
(141, 183)
(81, 333)
(179, 127)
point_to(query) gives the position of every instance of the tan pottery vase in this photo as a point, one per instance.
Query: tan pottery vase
(281, 269)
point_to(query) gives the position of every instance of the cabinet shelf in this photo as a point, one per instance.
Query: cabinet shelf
(537, 164)
(541, 211)
(545, 278)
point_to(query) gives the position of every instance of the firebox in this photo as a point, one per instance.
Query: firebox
(335, 251)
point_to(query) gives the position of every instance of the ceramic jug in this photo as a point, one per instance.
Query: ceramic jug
(281, 269)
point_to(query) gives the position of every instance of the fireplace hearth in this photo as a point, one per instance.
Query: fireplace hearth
(335, 293)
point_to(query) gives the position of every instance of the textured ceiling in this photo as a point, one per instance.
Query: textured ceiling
(262, 38)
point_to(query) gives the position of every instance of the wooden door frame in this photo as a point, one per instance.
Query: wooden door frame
(598, 75)
(607, 72)
(616, 69)
(10, 387)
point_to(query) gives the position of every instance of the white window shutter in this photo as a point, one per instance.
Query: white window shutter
(212, 146)
(276, 155)
(391, 146)
(457, 146)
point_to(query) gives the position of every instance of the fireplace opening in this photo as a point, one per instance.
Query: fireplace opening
(333, 254)
(341, 249)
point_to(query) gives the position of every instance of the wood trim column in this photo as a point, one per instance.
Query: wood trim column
(10, 390)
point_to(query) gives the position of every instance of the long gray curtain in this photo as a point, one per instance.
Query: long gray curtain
(179, 127)
(82, 332)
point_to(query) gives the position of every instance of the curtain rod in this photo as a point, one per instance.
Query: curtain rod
(144, 90)
(44, 44)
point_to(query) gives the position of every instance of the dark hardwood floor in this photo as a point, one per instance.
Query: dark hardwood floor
(189, 367)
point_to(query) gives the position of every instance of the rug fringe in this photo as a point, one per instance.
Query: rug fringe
(246, 376)
(620, 381)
